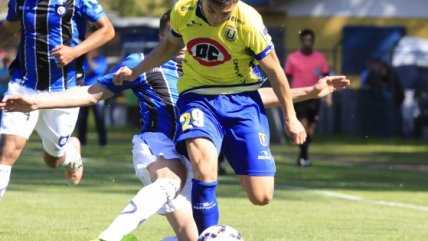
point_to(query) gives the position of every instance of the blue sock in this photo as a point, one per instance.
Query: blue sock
(204, 204)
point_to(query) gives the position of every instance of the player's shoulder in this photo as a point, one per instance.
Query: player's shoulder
(88, 4)
(248, 15)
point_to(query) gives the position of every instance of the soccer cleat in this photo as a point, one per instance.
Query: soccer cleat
(303, 162)
(74, 170)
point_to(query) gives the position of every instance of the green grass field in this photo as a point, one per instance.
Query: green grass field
(358, 189)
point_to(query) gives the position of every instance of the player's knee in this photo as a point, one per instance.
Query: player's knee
(11, 148)
(205, 173)
(172, 169)
(260, 199)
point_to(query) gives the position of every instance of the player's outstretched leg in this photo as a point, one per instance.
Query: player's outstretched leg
(146, 203)
(72, 161)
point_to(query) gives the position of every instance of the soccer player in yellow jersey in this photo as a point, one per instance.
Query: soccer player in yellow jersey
(226, 42)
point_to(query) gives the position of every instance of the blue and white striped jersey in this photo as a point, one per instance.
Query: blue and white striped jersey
(46, 24)
(156, 91)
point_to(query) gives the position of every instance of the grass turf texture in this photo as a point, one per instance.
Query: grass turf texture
(39, 205)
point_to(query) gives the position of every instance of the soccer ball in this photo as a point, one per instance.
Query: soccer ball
(220, 233)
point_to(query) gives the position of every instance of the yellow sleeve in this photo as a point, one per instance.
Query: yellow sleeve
(176, 19)
(258, 39)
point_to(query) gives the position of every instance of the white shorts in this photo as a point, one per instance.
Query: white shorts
(54, 126)
(147, 148)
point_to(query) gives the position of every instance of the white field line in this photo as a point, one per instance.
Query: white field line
(355, 198)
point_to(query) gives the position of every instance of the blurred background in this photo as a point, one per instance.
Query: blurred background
(369, 176)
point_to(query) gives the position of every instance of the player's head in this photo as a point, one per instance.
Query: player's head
(218, 11)
(307, 40)
(165, 25)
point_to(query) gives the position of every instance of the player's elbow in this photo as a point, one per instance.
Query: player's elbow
(109, 33)
(107, 30)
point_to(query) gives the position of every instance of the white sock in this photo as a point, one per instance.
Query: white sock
(4, 178)
(71, 153)
(147, 202)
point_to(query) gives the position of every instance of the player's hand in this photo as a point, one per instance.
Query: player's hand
(124, 73)
(329, 84)
(295, 130)
(64, 55)
(18, 103)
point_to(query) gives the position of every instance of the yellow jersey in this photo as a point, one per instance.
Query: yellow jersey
(220, 59)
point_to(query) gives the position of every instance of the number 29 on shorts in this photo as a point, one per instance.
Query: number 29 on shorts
(190, 119)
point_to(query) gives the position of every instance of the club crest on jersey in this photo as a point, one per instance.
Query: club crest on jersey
(63, 140)
(231, 32)
(60, 10)
(262, 138)
(208, 52)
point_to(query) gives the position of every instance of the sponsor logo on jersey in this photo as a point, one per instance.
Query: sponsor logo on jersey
(204, 205)
(263, 139)
(237, 20)
(185, 8)
(208, 52)
(265, 34)
(192, 23)
(231, 32)
(264, 155)
(63, 140)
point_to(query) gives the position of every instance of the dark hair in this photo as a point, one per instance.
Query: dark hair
(223, 2)
(306, 32)
(166, 17)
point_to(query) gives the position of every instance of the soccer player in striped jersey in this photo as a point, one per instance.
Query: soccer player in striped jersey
(164, 172)
(219, 104)
(49, 60)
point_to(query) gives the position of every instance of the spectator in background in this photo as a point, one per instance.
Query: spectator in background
(384, 84)
(304, 67)
(381, 76)
(95, 66)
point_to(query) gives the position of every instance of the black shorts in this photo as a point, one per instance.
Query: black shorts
(308, 109)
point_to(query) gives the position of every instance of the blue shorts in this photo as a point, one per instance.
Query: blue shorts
(236, 122)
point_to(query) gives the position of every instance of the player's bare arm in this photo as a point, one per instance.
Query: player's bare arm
(8, 30)
(324, 87)
(275, 74)
(165, 51)
(80, 96)
(104, 33)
